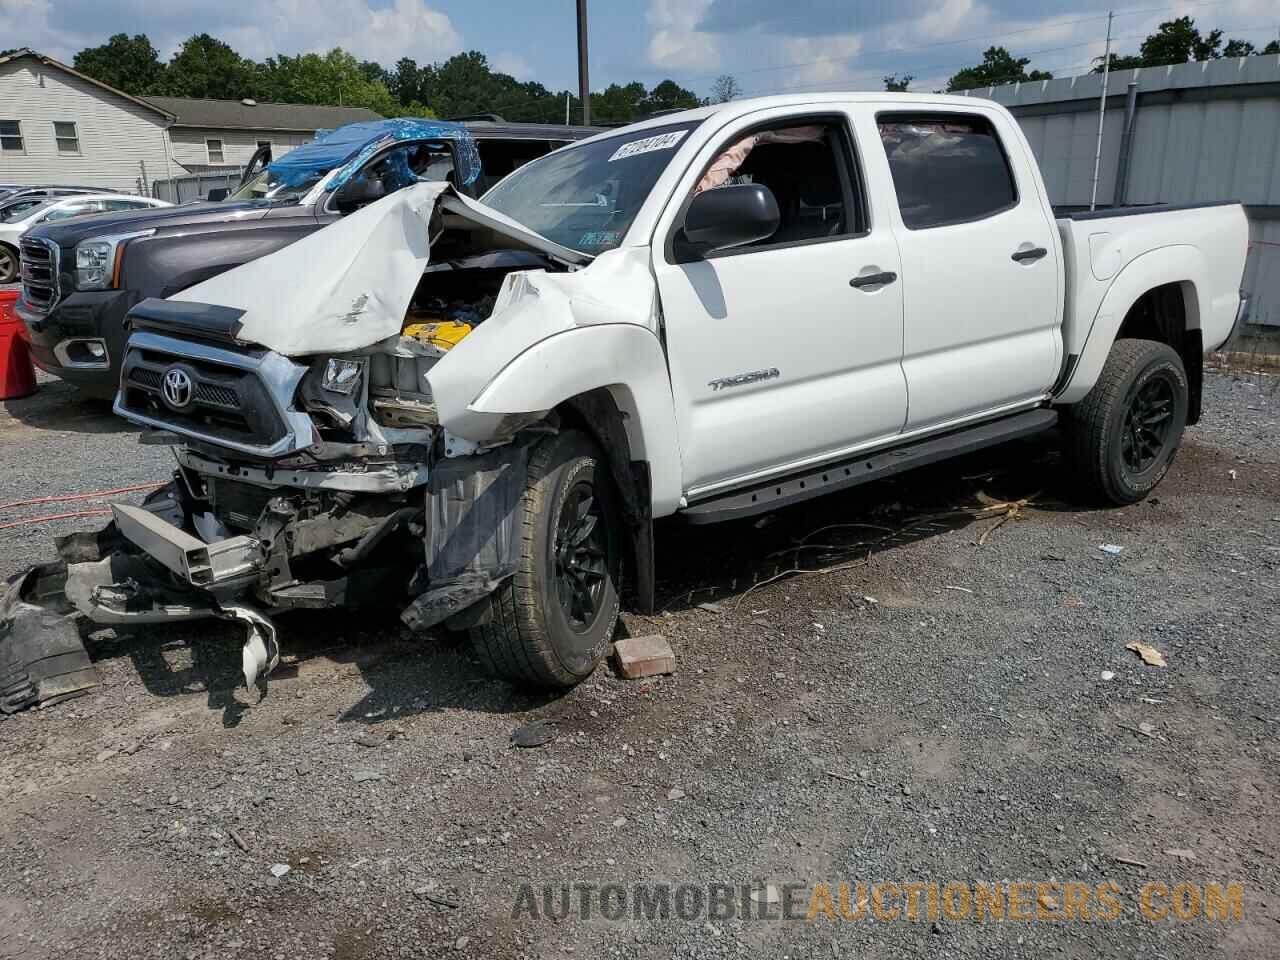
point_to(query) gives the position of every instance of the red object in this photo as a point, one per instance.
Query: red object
(17, 375)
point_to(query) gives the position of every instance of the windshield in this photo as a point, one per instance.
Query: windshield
(585, 197)
(18, 209)
(273, 186)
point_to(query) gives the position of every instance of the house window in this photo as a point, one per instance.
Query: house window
(10, 135)
(214, 146)
(68, 139)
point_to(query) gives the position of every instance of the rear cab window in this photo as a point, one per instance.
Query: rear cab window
(947, 168)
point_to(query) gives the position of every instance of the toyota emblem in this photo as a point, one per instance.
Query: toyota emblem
(177, 388)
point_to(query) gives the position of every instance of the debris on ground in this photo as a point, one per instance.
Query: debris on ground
(1108, 675)
(278, 870)
(711, 607)
(1111, 549)
(1149, 654)
(536, 733)
(649, 656)
(675, 793)
(1180, 853)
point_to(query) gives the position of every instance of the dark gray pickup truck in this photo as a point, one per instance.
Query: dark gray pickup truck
(80, 278)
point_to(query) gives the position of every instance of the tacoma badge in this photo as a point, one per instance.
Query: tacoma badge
(742, 379)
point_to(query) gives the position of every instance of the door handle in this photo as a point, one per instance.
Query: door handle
(1028, 256)
(873, 280)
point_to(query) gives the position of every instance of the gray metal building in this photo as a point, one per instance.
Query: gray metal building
(1189, 133)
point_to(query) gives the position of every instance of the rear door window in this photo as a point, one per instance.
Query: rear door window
(946, 168)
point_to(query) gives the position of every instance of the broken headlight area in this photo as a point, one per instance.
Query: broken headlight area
(361, 396)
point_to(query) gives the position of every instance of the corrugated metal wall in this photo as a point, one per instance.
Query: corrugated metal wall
(1201, 132)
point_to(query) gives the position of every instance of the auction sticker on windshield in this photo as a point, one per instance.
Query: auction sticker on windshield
(663, 141)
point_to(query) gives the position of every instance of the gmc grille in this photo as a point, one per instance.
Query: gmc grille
(40, 261)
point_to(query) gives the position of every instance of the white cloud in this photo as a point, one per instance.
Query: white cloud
(675, 43)
(267, 28)
(513, 64)
(405, 28)
(822, 61)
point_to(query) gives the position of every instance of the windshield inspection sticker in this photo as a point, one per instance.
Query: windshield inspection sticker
(636, 147)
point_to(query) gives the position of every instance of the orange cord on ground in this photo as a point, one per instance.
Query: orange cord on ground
(55, 516)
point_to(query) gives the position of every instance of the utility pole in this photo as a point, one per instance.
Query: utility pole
(584, 85)
(1102, 113)
(567, 99)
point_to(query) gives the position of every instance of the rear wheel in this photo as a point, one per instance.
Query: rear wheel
(8, 264)
(551, 623)
(1126, 431)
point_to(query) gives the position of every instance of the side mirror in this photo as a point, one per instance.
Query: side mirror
(216, 194)
(359, 191)
(731, 216)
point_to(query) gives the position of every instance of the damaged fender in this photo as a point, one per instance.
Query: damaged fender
(554, 336)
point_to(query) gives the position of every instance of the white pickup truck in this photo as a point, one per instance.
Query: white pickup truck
(474, 411)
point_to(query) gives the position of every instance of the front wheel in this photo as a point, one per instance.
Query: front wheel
(551, 623)
(1125, 432)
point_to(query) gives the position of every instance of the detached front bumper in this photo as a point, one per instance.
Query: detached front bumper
(82, 338)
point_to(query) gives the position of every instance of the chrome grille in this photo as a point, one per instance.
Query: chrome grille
(39, 274)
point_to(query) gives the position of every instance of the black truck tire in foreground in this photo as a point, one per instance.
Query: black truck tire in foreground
(1125, 432)
(550, 625)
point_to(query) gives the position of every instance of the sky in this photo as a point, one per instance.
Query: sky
(769, 46)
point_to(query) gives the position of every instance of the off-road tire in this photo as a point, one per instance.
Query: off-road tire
(528, 639)
(1099, 442)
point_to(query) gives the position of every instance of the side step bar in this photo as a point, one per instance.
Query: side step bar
(863, 469)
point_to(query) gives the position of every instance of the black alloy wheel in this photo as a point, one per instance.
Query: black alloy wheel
(581, 552)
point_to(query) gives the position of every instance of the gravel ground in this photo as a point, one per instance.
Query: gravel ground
(942, 710)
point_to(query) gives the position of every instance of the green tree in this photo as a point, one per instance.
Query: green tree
(1119, 62)
(405, 80)
(1178, 41)
(725, 88)
(207, 67)
(894, 83)
(669, 95)
(618, 104)
(335, 77)
(998, 66)
(127, 63)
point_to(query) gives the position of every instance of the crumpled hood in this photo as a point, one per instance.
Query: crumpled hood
(348, 286)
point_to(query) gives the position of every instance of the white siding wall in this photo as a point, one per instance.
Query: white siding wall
(189, 147)
(118, 138)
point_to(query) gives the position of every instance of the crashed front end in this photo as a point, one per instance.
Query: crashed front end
(313, 469)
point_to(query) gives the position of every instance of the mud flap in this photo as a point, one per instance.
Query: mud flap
(42, 657)
(471, 531)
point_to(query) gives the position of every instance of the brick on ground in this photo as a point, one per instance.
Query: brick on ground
(649, 656)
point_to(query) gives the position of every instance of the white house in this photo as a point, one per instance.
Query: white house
(212, 134)
(58, 126)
